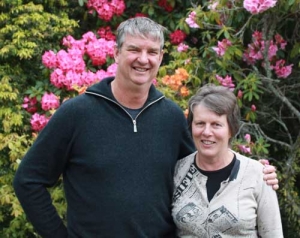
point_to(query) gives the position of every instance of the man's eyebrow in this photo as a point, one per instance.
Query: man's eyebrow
(136, 47)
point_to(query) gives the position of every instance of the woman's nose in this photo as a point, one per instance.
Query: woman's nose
(206, 130)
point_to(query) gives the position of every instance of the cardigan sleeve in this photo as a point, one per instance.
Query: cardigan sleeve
(41, 168)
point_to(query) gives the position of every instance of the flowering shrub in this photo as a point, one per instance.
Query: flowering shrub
(256, 49)
(70, 71)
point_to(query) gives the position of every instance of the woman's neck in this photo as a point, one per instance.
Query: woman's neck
(213, 164)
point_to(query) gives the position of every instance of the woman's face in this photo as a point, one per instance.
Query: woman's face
(210, 132)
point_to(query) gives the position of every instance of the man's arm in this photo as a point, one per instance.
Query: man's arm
(270, 175)
(39, 169)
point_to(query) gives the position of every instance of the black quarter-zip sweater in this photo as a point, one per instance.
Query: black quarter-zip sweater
(117, 170)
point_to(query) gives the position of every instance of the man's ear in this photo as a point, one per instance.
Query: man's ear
(161, 56)
(116, 53)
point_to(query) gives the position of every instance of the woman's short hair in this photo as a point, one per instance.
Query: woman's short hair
(219, 100)
(140, 26)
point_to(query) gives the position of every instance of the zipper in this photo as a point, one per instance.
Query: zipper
(134, 121)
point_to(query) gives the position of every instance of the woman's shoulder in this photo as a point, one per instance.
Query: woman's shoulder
(182, 166)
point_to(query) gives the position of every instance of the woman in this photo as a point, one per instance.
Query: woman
(218, 192)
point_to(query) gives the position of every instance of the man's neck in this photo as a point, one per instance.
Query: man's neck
(129, 97)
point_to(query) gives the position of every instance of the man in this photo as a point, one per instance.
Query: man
(116, 147)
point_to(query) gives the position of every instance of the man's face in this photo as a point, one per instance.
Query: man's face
(138, 59)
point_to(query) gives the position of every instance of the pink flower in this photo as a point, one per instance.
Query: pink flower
(240, 94)
(226, 82)
(106, 33)
(38, 122)
(280, 41)
(247, 137)
(49, 101)
(177, 37)
(64, 61)
(258, 6)
(191, 20)
(281, 70)
(29, 104)
(49, 59)
(222, 47)
(182, 47)
(112, 69)
(57, 78)
(253, 108)
(99, 50)
(106, 9)
(244, 149)
(213, 5)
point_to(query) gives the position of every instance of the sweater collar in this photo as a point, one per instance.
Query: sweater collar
(104, 88)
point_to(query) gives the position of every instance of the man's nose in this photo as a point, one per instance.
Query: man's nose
(143, 57)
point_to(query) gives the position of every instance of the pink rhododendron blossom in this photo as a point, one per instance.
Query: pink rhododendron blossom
(213, 5)
(68, 41)
(49, 101)
(258, 6)
(49, 59)
(89, 37)
(112, 69)
(177, 37)
(281, 70)
(256, 49)
(70, 71)
(240, 94)
(253, 108)
(280, 41)
(29, 104)
(106, 33)
(247, 137)
(38, 122)
(57, 78)
(253, 53)
(222, 47)
(106, 9)
(182, 47)
(244, 149)
(87, 78)
(99, 50)
(64, 60)
(226, 82)
(191, 20)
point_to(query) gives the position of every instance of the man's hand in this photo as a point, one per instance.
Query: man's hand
(270, 174)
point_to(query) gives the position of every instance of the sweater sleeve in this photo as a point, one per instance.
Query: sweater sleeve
(40, 168)
(268, 213)
(187, 145)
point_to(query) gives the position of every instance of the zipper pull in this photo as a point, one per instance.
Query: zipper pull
(134, 126)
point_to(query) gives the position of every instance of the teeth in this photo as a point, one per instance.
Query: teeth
(140, 69)
(207, 142)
